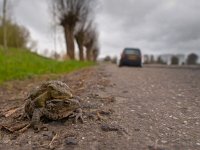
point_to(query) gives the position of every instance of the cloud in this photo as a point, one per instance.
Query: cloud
(155, 26)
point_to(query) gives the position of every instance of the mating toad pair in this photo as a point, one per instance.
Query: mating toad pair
(53, 100)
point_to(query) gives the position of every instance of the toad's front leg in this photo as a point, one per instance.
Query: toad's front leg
(78, 115)
(35, 121)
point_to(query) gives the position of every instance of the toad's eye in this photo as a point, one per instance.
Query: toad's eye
(67, 102)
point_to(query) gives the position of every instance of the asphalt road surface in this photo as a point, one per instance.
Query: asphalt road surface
(158, 106)
(149, 108)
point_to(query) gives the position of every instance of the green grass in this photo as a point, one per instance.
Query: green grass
(21, 64)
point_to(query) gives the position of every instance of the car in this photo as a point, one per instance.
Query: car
(131, 57)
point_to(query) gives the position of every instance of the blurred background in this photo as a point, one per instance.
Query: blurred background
(167, 32)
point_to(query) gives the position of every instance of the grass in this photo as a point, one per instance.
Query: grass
(21, 64)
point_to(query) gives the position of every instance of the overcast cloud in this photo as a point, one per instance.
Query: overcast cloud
(155, 26)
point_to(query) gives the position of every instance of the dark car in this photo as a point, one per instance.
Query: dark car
(131, 57)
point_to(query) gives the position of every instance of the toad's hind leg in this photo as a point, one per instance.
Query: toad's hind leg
(35, 121)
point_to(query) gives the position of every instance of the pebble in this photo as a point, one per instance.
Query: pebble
(48, 135)
(163, 141)
(185, 122)
(71, 141)
(106, 127)
(137, 129)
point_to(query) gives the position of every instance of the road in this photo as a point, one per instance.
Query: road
(158, 106)
(149, 108)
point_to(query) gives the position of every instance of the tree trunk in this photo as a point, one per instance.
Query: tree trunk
(4, 25)
(94, 55)
(80, 47)
(88, 53)
(69, 39)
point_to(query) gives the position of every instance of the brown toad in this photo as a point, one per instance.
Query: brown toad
(52, 99)
(57, 109)
(46, 91)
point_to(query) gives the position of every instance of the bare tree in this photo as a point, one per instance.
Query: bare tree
(69, 13)
(81, 35)
(91, 43)
(95, 53)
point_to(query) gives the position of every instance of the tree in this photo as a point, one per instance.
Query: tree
(91, 42)
(114, 60)
(95, 54)
(174, 60)
(152, 60)
(192, 59)
(69, 13)
(18, 35)
(4, 24)
(56, 56)
(81, 35)
(107, 59)
(146, 59)
(160, 60)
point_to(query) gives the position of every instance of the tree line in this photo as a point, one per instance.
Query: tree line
(18, 36)
(192, 59)
(76, 17)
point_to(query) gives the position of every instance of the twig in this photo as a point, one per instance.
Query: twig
(11, 111)
(53, 139)
(99, 117)
(24, 129)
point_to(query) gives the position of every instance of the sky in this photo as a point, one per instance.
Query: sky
(154, 26)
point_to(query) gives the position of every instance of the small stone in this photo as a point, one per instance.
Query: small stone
(179, 95)
(48, 135)
(163, 141)
(71, 141)
(152, 85)
(107, 128)
(175, 118)
(179, 103)
(185, 122)
(103, 112)
(137, 129)
(198, 144)
(14, 136)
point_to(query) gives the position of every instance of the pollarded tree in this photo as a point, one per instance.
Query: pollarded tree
(70, 13)
(95, 53)
(91, 43)
(82, 36)
(79, 36)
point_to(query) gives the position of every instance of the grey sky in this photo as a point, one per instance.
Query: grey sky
(155, 26)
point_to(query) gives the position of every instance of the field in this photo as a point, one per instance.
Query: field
(21, 64)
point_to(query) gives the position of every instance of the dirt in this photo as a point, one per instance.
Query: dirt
(150, 108)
